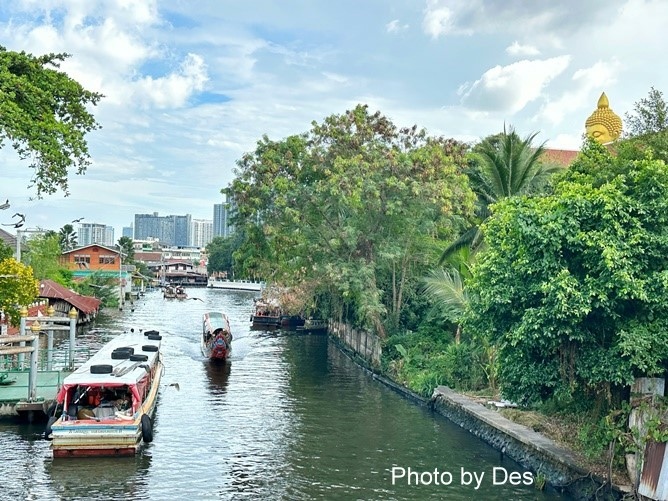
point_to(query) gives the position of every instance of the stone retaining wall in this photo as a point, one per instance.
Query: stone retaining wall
(530, 449)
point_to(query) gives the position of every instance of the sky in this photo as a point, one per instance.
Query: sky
(190, 86)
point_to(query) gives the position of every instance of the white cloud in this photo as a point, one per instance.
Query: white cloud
(395, 26)
(587, 85)
(516, 49)
(173, 90)
(510, 88)
(438, 19)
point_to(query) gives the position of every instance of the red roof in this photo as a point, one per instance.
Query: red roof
(53, 290)
(559, 157)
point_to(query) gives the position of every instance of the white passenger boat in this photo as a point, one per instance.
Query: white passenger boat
(106, 407)
(237, 285)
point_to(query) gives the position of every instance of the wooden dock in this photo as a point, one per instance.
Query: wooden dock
(14, 386)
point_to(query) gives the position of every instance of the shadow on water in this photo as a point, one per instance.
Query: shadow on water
(101, 478)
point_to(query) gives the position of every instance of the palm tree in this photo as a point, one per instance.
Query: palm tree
(446, 287)
(67, 238)
(504, 165)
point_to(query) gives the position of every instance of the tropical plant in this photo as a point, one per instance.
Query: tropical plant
(43, 113)
(67, 238)
(126, 246)
(450, 297)
(501, 166)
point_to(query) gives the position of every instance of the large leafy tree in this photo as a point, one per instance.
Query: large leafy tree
(574, 286)
(355, 205)
(44, 116)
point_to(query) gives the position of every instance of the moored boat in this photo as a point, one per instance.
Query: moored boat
(237, 285)
(106, 407)
(216, 339)
(267, 315)
(313, 326)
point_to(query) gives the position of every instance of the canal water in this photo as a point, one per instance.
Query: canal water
(290, 418)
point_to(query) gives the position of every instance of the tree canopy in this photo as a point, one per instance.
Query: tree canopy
(356, 205)
(43, 115)
(574, 286)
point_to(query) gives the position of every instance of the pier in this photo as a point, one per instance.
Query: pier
(26, 389)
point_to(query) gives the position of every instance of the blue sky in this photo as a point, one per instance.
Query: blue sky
(191, 86)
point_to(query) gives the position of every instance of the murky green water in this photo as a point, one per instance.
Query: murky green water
(289, 418)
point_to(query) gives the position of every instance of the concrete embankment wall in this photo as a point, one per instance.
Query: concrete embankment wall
(364, 344)
(532, 450)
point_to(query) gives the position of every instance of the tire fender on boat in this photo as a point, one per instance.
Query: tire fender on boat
(47, 428)
(146, 428)
(101, 369)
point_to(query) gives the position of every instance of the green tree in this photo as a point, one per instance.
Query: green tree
(355, 205)
(43, 115)
(18, 288)
(501, 166)
(43, 254)
(220, 256)
(572, 287)
(650, 115)
(646, 129)
(126, 246)
(67, 238)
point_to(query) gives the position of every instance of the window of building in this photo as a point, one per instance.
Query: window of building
(82, 258)
(107, 259)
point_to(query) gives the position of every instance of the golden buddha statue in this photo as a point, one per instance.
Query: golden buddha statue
(603, 125)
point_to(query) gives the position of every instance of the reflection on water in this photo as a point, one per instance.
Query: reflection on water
(218, 375)
(288, 417)
(102, 478)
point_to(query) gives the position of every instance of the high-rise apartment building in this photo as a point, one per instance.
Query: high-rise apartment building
(169, 230)
(202, 232)
(222, 215)
(128, 231)
(93, 233)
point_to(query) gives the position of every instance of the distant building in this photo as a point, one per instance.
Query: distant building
(202, 232)
(128, 231)
(169, 230)
(93, 233)
(222, 219)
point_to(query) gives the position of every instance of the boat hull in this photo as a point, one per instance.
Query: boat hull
(236, 285)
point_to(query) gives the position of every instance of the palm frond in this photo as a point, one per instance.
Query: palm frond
(446, 288)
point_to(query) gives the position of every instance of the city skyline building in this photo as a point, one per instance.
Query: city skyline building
(222, 218)
(202, 232)
(169, 230)
(94, 233)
